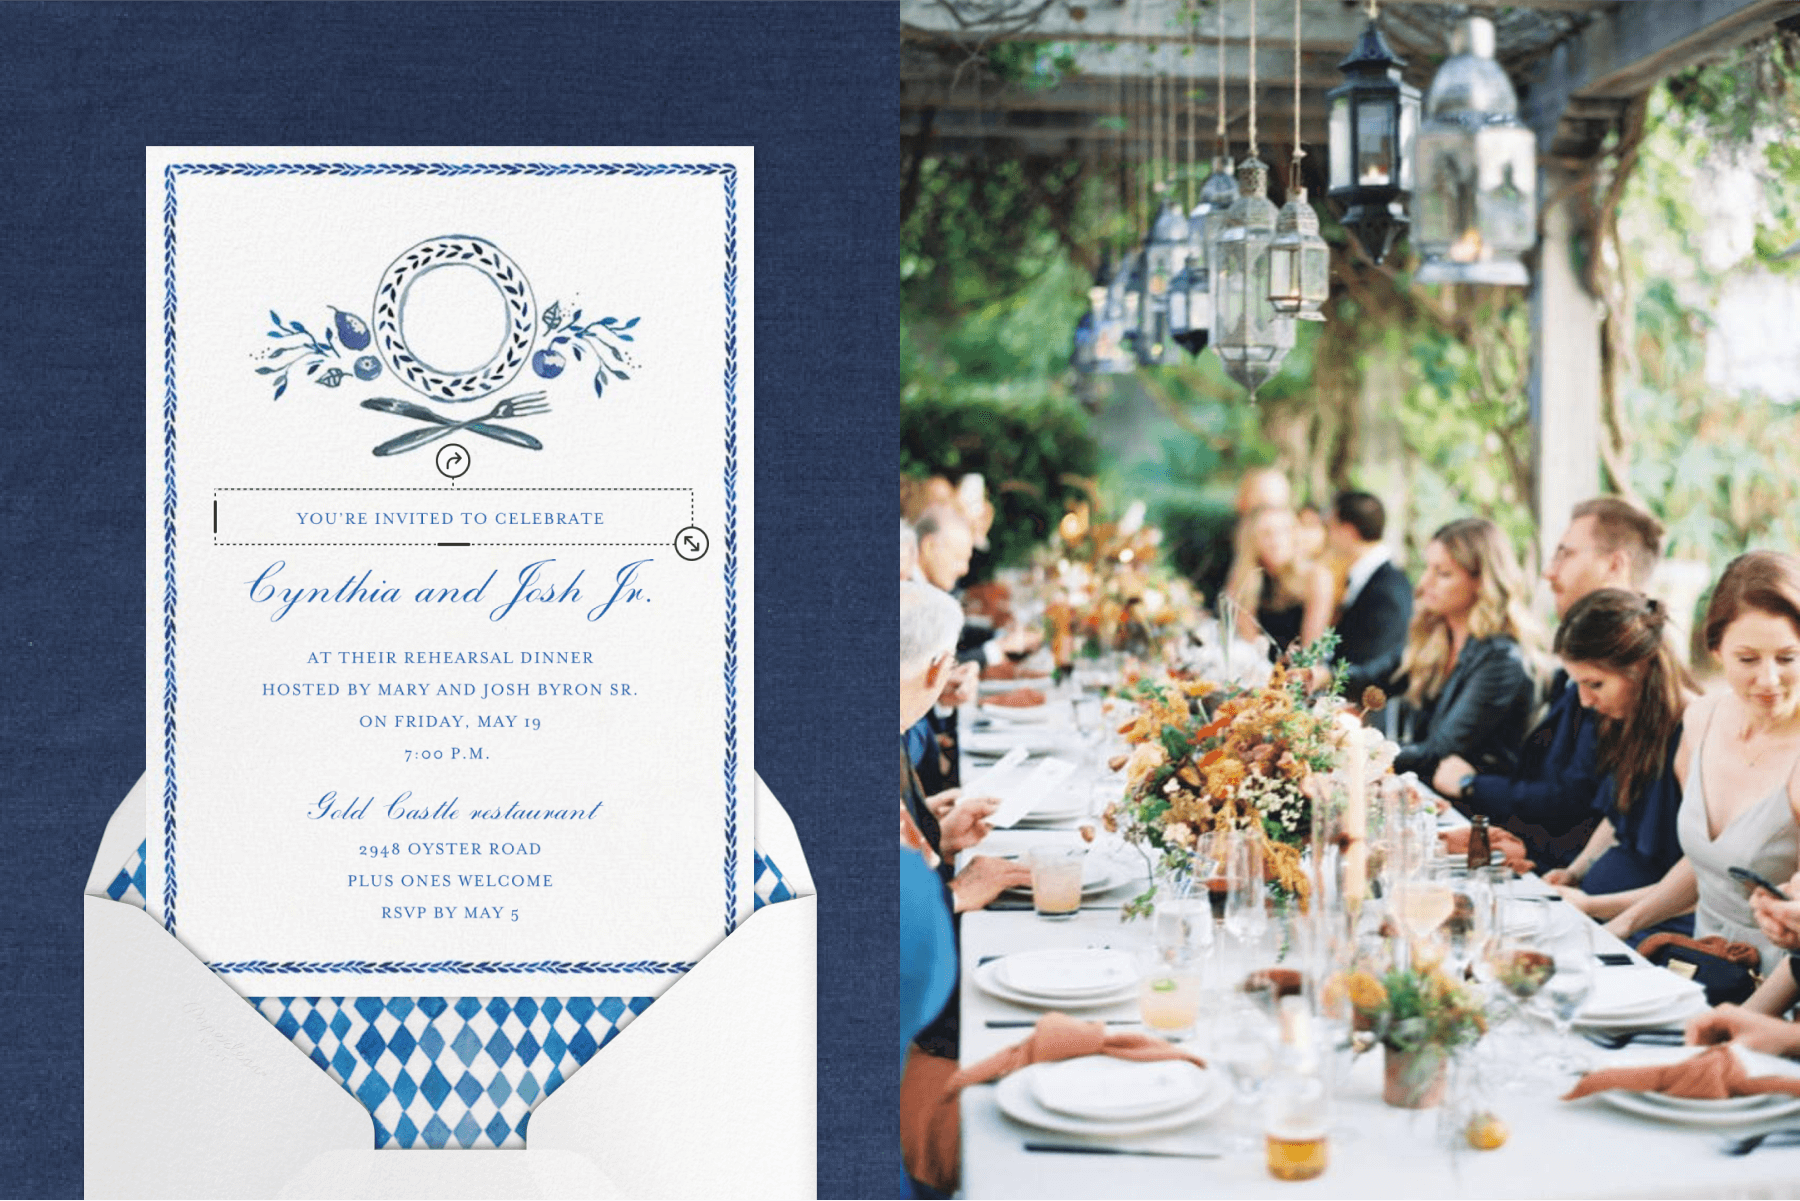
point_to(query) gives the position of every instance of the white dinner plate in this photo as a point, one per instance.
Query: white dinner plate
(1019, 714)
(1018, 1101)
(1041, 683)
(997, 742)
(987, 979)
(1730, 1111)
(1102, 1088)
(1066, 972)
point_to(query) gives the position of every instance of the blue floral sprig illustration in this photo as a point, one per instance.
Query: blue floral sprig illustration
(309, 352)
(597, 339)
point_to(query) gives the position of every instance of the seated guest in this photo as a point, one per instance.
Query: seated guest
(1377, 606)
(946, 544)
(1547, 799)
(1261, 487)
(1467, 669)
(928, 623)
(1740, 766)
(1277, 592)
(1614, 646)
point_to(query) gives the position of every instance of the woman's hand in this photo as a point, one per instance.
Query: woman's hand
(1448, 777)
(1561, 879)
(986, 877)
(1620, 927)
(1779, 920)
(1574, 896)
(1755, 1031)
(941, 803)
(966, 824)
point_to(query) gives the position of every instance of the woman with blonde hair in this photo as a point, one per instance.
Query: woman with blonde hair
(1278, 591)
(1469, 667)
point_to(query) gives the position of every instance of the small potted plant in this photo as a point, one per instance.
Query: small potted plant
(1419, 1016)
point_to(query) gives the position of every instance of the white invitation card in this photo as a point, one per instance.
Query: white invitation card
(449, 670)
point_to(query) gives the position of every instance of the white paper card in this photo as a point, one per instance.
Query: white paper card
(449, 562)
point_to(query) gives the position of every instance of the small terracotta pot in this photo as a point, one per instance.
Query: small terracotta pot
(1414, 1079)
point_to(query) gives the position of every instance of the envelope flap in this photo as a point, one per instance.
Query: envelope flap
(711, 1092)
(779, 843)
(124, 831)
(189, 1092)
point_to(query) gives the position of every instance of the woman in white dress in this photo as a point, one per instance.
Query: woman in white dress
(1739, 762)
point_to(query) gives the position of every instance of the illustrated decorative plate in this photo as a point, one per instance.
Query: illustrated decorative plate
(455, 318)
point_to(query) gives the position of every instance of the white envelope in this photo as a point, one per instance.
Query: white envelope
(709, 1092)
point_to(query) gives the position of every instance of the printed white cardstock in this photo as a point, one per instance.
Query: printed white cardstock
(449, 673)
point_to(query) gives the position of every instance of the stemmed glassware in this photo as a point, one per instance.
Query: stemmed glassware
(1571, 946)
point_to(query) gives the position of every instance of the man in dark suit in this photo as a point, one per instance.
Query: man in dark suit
(1377, 605)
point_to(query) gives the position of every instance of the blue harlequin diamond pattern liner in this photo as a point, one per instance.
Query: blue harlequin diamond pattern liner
(449, 1071)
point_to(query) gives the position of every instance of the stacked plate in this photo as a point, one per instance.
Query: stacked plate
(1055, 809)
(1690, 1111)
(1060, 979)
(1639, 998)
(1101, 1095)
(1038, 740)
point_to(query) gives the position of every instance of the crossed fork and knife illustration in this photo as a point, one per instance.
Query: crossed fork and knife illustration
(440, 426)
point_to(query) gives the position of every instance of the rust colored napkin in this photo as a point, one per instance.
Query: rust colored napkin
(1504, 841)
(1712, 1075)
(1011, 671)
(929, 1119)
(1018, 698)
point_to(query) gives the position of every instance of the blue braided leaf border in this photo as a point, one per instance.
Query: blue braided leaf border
(728, 173)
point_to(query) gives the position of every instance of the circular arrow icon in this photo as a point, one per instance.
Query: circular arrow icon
(452, 460)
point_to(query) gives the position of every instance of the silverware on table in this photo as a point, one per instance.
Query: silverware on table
(527, 405)
(1661, 1037)
(1088, 1149)
(1789, 1136)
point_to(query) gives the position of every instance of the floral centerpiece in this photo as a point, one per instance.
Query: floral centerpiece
(1264, 760)
(1111, 592)
(1419, 1016)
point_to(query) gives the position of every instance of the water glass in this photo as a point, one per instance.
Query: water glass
(1572, 948)
(1169, 983)
(1246, 894)
(1056, 881)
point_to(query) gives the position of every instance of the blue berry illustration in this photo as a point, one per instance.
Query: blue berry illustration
(547, 363)
(350, 330)
(368, 367)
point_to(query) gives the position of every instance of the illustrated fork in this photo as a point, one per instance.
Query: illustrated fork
(514, 406)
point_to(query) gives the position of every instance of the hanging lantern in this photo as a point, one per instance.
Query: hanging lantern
(1477, 199)
(1207, 219)
(1374, 120)
(1299, 260)
(1251, 337)
(1112, 331)
(1165, 253)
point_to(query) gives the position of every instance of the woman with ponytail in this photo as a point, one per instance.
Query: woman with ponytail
(1613, 644)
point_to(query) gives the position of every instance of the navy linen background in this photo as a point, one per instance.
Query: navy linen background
(84, 88)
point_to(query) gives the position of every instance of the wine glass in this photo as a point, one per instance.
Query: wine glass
(1244, 1040)
(1246, 913)
(1571, 947)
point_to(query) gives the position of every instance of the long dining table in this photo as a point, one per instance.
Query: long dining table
(1555, 1148)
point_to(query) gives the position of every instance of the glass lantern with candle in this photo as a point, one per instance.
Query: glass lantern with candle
(1373, 122)
(1252, 338)
(1477, 196)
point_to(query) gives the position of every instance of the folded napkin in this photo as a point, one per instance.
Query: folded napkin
(1507, 843)
(930, 1121)
(1712, 1075)
(1012, 671)
(1059, 1036)
(1018, 698)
